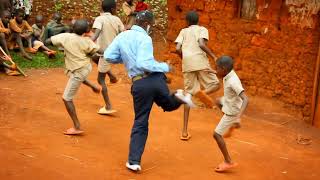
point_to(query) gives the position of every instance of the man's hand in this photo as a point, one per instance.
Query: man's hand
(7, 32)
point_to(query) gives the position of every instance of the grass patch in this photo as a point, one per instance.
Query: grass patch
(39, 61)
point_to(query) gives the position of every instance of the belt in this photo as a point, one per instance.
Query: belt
(138, 77)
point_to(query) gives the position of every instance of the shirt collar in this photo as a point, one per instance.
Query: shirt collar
(107, 13)
(138, 28)
(229, 75)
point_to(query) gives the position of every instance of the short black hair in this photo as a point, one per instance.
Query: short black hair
(108, 5)
(39, 18)
(80, 26)
(57, 15)
(225, 62)
(19, 12)
(192, 17)
(144, 16)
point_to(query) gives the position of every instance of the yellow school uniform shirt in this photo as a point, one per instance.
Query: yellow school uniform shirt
(76, 49)
(3, 29)
(231, 101)
(20, 28)
(110, 27)
(194, 58)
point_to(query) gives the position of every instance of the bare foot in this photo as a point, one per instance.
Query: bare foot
(27, 57)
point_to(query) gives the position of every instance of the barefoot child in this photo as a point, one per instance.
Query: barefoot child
(21, 30)
(191, 45)
(78, 51)
(107, 27)
(233, 104)
(5, 30)
(38, 32)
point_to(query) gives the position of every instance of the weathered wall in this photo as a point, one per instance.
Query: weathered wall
(275, 53)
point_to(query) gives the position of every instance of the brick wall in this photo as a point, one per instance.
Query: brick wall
(275, 52)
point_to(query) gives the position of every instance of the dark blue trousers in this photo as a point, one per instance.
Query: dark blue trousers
(145, 92)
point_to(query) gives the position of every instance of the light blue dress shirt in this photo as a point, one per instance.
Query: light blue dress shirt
(134, 49)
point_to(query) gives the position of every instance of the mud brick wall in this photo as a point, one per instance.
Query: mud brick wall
(275, 52)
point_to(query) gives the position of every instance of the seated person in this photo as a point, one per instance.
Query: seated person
(141, 6)
(38, 32)
(55, 27)
(21, 30)
(4, 30)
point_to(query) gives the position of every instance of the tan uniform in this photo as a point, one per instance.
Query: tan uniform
(77, 60)
(231, 102)
(110, 27)
(3, 29)
(195, 63)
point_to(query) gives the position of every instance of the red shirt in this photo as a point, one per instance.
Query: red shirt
(141, 6)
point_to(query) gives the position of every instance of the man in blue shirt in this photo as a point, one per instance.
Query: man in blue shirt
(134, 49)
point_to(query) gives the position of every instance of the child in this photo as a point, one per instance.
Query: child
(55, 27)
(38, 32)
(107, 27)
(78, 50)
(21, 30)
(233, 104)
(191, 45)
(141, 6)
(5, 30)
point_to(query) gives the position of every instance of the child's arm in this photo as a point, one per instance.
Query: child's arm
(245, 101)
(96, 34)
(205, 48)
(179, 49)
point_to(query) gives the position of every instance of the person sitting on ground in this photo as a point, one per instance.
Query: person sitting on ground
(128, 7)
(21, 30)
(5, 31)
(78, 53)
(233, 104)
(141, 6)
(191, 45)
(107, 26)
(38, 32)
(55, 27)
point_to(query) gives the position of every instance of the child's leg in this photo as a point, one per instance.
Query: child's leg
(104, 92)
(112, 77)
(72, 113)
(18, 39)
(3, 42)
(91, 85)
(209, 81)
(224, 125)
(191, 85)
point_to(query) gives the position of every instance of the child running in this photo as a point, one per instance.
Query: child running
(191, 45)
(233, 104)
(107, 27)
(78, 50)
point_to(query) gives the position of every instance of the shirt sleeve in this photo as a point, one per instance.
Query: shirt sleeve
(180, 37)
(97, 24)
(14, 27)
(92, 47)
(237, 87)
(26, 26)
(145, 59)
(57, 40)
(121, 26)
(204, 34)
(112, 53)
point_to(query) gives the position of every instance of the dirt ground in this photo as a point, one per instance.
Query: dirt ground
(32, 145)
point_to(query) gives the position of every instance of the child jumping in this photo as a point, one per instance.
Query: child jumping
(191, 45)
(78, 52)
(233, 104)
(107, 27)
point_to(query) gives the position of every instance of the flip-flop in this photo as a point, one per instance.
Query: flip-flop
(225, 166)
(185, 138)
(104, 111)
(73, 131)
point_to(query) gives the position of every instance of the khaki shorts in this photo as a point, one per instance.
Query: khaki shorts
(225, 123)
(195, 79)
(103, 65)
(37, 44)
(76, 78)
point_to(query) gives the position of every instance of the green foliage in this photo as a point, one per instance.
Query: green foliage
(39, 61)
(58, 6)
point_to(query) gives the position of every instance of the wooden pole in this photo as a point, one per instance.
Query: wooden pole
(315, 87)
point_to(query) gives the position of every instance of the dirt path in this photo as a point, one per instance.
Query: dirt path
(32, 146)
